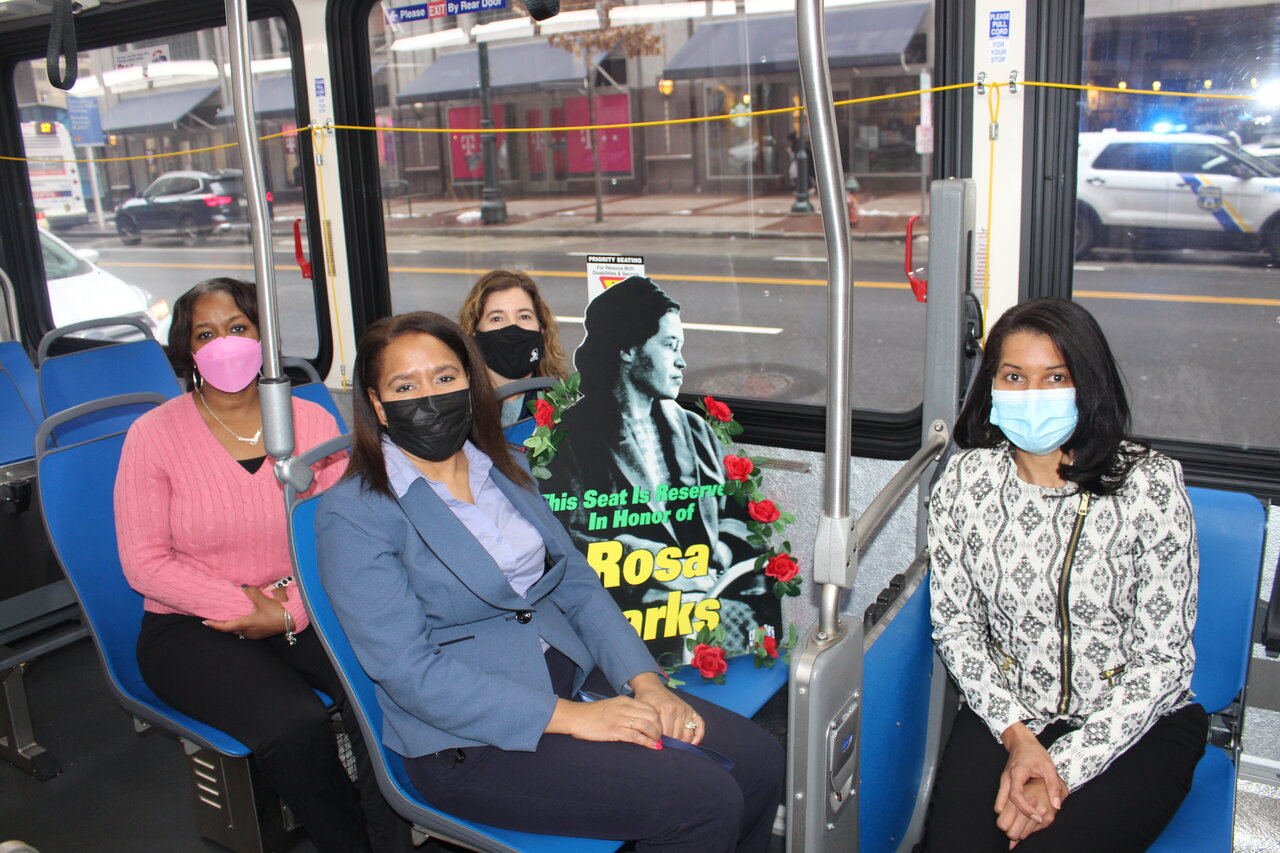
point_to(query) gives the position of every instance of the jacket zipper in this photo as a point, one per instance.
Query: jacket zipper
(1064, 617)
(1110, 674)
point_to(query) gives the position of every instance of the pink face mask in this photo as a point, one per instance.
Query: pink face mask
(229, 364)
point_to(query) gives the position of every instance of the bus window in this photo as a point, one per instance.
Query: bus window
(1177, 230)
(718, 210)
(155, 117)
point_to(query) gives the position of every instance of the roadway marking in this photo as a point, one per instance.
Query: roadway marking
(1135, 296)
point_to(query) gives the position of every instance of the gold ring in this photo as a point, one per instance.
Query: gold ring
(691, 725)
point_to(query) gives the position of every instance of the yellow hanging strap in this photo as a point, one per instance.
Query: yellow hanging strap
(318, 134)
(993, 136)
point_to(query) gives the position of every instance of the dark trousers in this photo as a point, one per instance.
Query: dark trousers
(665, 800)
(260, 692)
(1122, 810)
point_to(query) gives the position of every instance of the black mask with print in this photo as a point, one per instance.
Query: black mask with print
(511, 352)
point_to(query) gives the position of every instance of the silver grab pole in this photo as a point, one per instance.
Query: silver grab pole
(273, 387)
(816, 79)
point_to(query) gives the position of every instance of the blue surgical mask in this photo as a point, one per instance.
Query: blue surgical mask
(1038, 422)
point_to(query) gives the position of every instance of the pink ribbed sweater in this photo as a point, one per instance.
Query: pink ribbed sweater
(193, 525)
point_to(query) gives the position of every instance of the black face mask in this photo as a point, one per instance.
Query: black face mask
(431, 428)
(511, 352)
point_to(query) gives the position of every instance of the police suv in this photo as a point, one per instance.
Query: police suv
(1199, 187)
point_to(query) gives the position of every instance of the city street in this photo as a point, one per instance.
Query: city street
(1197, 340)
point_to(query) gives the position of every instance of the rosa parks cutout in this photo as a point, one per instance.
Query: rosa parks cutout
(639, 482)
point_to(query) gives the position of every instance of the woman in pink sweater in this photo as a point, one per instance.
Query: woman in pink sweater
(201, 530)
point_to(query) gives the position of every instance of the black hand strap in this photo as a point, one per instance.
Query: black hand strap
(62, 44)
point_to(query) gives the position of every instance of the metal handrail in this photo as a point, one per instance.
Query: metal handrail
(274, 387)
(10, 306)
(901, 483)
(815, 77)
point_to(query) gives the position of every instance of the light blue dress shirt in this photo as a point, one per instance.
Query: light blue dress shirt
(511, 540)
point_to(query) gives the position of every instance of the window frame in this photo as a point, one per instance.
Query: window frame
(107, 26)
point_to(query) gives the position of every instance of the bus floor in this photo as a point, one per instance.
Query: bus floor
(121, 792)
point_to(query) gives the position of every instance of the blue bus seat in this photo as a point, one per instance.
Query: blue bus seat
(76, 498)
(897, 679)
(517, 432)
(317, 393)
(91, 374)
(393, 780)
(312, 388)
(14, 359)
(1231, 529)
(745, 688)
(17, 424)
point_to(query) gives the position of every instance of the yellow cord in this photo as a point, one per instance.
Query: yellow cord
(993, 135)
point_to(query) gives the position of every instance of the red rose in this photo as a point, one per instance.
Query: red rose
(763, 511)
(544, 414)
(770, 646)
(782, 567)
(738, 467)
(709, 660)
(717, 409)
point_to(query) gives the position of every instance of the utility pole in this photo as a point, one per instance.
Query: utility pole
(493, 210)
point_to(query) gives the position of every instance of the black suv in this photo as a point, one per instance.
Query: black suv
(192, 205)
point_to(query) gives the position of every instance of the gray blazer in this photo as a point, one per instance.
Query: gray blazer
(454, 652)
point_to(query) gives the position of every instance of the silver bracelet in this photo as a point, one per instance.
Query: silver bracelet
(289, 628)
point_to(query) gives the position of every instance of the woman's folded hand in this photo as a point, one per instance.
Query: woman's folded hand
(620, 718)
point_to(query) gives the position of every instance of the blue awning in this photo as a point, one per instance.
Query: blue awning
(855, 37)
(512, 69)
(157, 108)
(272, 96)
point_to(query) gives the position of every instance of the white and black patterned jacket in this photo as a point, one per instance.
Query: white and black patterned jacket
(998, 545)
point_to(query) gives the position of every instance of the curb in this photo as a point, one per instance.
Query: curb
(724, 234)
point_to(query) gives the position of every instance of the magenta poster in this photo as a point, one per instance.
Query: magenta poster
(464, 148)
(615, 144)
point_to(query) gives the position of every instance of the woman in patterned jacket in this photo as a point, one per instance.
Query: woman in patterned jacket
(1064, 596)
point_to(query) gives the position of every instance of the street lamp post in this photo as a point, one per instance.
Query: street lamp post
(493, 210)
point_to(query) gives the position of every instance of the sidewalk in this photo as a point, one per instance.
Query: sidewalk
(658, 215)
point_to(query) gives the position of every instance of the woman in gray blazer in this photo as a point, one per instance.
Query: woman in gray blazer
(489, 636)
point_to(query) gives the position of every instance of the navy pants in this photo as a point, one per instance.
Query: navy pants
(260, 693)
(665, 800)
(1122, 810)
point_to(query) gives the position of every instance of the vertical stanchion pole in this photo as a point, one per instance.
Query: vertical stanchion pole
(273, 387)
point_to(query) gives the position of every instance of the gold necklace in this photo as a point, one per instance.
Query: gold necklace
(257, 435)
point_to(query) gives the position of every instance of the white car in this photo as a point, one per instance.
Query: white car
(1196, 186)
(80, 290)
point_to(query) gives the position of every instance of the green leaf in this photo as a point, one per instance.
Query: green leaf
(755, 539)
(793, 589)
(691, 643)
(674, 682)
(778, 590)
(786, 546)
(541, 472)
(788, 518)
(760, 561)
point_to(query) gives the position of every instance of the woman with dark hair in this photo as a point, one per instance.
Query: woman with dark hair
(628, 432)
(488, 635)
(516, 332)
(1063, 585)
(201, 531)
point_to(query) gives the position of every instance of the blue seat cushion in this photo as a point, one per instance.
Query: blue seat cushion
(745, 688)
(1203, 822)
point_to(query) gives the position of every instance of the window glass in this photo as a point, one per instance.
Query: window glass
(708, 205)
(1134, 158)
(145, 110)
(1179, 268)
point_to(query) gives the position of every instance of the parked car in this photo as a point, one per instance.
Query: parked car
(81, 290)
(191, 205)
(1197, 187)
